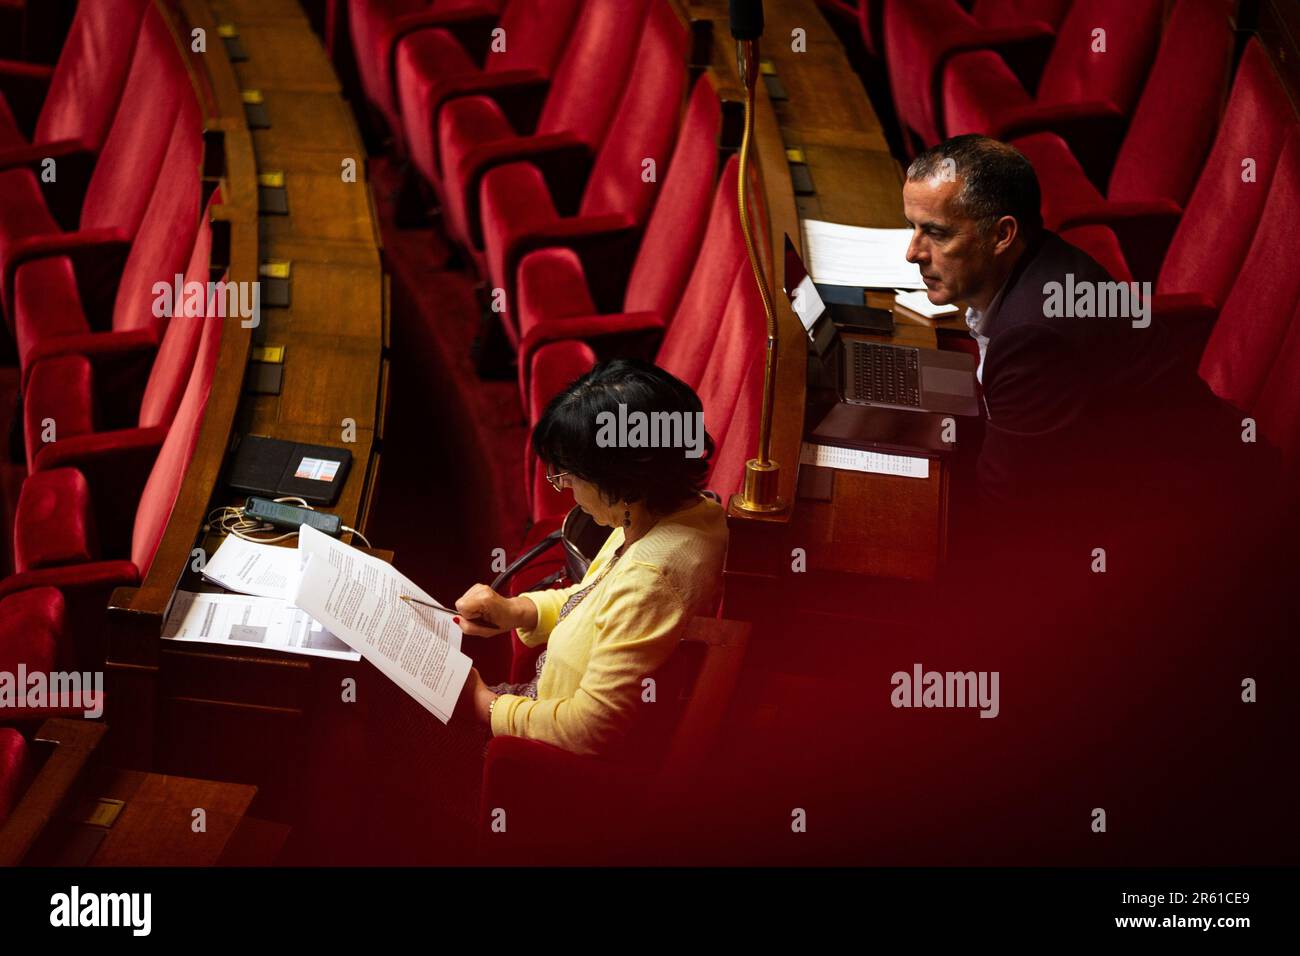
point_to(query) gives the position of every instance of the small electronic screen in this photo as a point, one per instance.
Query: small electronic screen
(317, 469)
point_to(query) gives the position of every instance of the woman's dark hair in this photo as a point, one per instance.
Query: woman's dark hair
(575, 431)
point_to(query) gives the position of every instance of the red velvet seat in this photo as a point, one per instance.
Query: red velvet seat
(1215, 232)
(555, 294)
(1256, 320)
(520, 212)
(431, 67)
(70, 536)
(73, 104)
(475, 133)
(121, 185)
(15, 772)
(89, 396)
(50, 316)
(377, 27)
(1163, 149)
(31, 623)
(919, 37)
(1085, 95)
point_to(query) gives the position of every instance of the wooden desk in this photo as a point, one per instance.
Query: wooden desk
(205, 710)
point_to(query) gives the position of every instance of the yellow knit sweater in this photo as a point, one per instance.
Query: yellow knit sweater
(619, 634)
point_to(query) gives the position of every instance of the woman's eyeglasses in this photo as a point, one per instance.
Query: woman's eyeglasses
(555, 479)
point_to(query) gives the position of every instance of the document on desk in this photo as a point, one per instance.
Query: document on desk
(854, 459)
(837, 254)
(357, 597)
(920, 303)
(247, 567)
(246, 620)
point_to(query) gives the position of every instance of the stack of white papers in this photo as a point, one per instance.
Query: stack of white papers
(920, 303)
(328, 599)
(857, 256)
(357, 597)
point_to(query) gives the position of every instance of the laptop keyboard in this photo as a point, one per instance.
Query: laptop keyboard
(884, 375)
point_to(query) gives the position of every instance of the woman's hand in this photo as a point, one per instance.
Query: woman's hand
(480, 696)
(483, 612)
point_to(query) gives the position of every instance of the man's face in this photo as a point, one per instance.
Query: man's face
(956, 260)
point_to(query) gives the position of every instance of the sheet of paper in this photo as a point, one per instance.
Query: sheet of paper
(837, 254)
(251, 621)
(356, 596)
(920, 303)
(246, 567)
(855, 459)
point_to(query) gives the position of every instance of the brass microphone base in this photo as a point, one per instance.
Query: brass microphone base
(758, 494)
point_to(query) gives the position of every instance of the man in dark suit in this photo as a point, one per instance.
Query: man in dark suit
(1086, 397)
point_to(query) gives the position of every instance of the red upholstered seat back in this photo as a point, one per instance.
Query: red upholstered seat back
(732, 383)
(175, 358)
(127, 170)
(998, 13)
(13, 770)
(164, 484)
(166, 235)
(535, 31)
(1078, 71)
(685, 347)
(645, 123)
(1254, 321)
(1174, 122)
(1221, 217)
(91, 71)
(589, 80)
(673, 233)
(1278, 408)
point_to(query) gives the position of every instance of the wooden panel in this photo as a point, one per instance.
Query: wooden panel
(257, 11)
(309, 123)
(284, 55)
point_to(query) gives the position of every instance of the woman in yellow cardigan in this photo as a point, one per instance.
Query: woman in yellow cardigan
(628, 439)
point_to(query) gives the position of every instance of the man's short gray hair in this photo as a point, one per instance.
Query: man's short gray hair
(996, 180)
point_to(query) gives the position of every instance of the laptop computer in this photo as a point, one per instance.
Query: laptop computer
(874, 373)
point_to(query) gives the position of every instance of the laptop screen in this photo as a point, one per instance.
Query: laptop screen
(801, 291)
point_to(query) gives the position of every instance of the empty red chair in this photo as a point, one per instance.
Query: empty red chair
(50, 317)
(68, 536)
(67, 110)
(1089, 86)
(1257, 316)
(103, 423)
(558, 287)
(1163, 149)
(920, 37)
(475, 133)
(30, 625)
(519, 209)
(431, 67)
(121, 185)
(1216, 228)
(378, 25)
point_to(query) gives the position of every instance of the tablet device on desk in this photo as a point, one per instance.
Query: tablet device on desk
(276, 469)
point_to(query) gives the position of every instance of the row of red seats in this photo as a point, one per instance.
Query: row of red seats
(113, 388)
(537, 151)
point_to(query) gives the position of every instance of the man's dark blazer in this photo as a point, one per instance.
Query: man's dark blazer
(1073, 403)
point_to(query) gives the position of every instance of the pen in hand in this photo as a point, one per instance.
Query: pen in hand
(480, 621)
